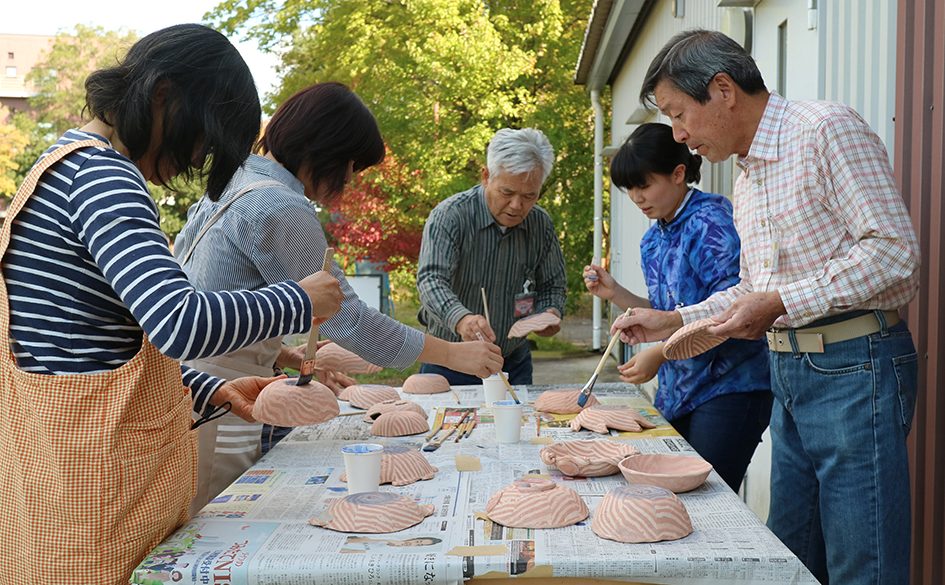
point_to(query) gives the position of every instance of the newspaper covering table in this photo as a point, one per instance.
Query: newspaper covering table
(257, 531)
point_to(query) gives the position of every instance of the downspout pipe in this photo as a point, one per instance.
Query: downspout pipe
(598, 205)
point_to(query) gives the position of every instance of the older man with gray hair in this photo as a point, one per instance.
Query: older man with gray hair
(494, 237)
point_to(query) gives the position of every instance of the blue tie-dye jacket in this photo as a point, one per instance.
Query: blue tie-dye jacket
(684, 262)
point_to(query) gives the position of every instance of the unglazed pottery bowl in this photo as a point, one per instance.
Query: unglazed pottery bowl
(367, 395)
(538, 322)
(373, 513)
(679, 473)
(586, 458)
(600, 418)
(641, 513)
(334, 357)
(536, 502)
(282, 403)
(562, 401)
(401, 465)
(426, 384)
(400, 423)
(691, 340)
(380, 408)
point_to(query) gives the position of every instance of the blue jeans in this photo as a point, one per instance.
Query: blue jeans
(518, 364)
(839, 471)
(271, 435)
(726, 430)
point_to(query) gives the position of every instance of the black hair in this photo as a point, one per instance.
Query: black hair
(320, 129)
(209, 104)
(651, 149)
(691, 60)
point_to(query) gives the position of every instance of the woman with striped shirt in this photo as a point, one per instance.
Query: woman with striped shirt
(97, 455)
(269, 232)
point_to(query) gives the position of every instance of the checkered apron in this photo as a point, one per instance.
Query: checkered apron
(95, 469)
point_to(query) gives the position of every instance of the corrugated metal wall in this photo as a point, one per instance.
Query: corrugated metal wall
(858, 66)
(920, 160)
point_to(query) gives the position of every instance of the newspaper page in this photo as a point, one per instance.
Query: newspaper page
(257, 531)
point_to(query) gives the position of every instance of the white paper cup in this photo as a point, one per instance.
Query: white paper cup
(363, 466)
(493, 389)
(508, 421)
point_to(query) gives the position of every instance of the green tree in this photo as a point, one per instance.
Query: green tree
(13, 141)
(442, 76)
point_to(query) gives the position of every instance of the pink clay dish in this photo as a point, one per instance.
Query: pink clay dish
(284, 404)
(586, 458)
(538, 322)
(536, 502)
(691, 340)
(334, 357)
(601, 418)
(367, 395)
(372, 512)
(641, 513)
(390, 406)
(426, 384)
(562, 401)
(400, 423)
(679, 473)
(401, 465)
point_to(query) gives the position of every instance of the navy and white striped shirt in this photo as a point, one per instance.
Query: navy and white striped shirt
(88, 271)
(271, 234)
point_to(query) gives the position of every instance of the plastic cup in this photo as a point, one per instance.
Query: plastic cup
(508, 421)
(363, 466)
(493, 389)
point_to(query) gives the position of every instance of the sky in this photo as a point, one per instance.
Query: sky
(53, 16)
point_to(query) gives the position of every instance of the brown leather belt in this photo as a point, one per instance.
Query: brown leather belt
(813, 339)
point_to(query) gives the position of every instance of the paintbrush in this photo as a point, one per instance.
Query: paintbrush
(485, 310)
(589, 387)
(307, 369)
(437, 424)
(435, 444)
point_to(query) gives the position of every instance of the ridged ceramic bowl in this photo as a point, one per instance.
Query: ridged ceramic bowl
(390, 406)
(562, 401)
(400, 423)
(679, 473)
(401, 465)
(367, 395)
(641, 513)
(536, 502)
(334, 357)
(426, 384)
(373, 513)
(538, 322)
(586, 458)
(282, 403)
(691, 340)
(601, 418)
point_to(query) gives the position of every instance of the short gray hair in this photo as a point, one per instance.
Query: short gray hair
(520, 151)
(692, 58)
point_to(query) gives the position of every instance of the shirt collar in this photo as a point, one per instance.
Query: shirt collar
(764, 145)
(680, 209)
(265, 166)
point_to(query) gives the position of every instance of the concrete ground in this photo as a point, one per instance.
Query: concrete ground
(577, 366)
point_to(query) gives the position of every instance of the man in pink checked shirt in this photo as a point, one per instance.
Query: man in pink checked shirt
(828, 258)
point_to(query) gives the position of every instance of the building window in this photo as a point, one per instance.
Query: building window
(782, 58)
(11, 71)
(10, 55)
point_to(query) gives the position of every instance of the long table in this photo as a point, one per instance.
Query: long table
(257, 532)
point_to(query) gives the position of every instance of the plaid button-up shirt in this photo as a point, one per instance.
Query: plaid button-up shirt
(820, 217)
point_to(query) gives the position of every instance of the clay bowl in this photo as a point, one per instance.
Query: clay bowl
(367, 395)
(426, 384)
(282, 403)
(691, 340)
(400, 423)
(372, 512)
(538, 322)
(390, 406)
(586, 458)
(641, 513)
(401, 465)
(334, 357)
(562, 401)
(536, 502)
(679, 473)
(600, 418)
